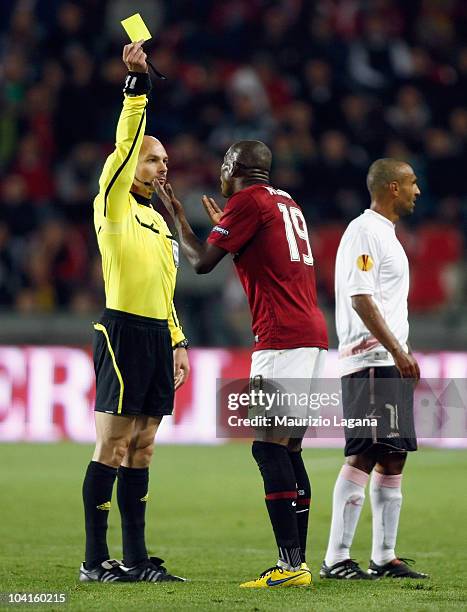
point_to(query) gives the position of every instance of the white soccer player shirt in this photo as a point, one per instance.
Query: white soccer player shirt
(370, 261)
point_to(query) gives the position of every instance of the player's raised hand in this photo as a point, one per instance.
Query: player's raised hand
(177, 205)
(169, 200)
(161, 192)
(134, 57)
(212, 209)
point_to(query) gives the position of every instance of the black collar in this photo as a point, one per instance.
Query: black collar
(141, 200)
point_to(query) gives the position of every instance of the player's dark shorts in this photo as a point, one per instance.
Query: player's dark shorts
(379, 393)
(133, 361)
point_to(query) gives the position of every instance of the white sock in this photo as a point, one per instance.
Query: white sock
(347, 502)
(386, 501)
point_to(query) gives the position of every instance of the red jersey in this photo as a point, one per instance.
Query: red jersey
(266, 232)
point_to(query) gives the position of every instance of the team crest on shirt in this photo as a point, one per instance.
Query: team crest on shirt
(365, 263)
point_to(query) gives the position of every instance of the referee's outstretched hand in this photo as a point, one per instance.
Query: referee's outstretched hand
(134, 57)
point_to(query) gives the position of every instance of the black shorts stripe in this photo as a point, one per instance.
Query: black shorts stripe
(103, 329)
(125, 161)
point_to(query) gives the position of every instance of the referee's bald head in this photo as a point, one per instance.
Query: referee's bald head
(383, 172)
(148, 143)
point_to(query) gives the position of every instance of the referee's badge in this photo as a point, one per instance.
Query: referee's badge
(365, 263)
(175, 251)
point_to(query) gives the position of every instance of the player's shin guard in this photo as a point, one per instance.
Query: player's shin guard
(386, 501)
(280, 492)
(347, 503)
(132, 495)
(97, 493)
(303, 498)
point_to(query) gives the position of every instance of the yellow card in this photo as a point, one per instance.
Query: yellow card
(136, 28)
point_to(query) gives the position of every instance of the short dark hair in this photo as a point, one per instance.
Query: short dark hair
(382, 172)
(253, 154)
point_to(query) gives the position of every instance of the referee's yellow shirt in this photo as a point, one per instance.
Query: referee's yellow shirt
(139, 256)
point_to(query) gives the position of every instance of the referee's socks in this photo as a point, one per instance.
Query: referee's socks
(132, 496)
(97, 493)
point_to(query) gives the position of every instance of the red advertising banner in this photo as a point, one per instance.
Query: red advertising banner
(47, 394)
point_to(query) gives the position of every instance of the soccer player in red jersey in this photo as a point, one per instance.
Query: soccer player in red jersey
(265, 231)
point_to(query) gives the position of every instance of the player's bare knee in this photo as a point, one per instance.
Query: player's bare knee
(145, 454)
(120, 450)
(139, 455)
(391, 464)
(111, 450)
(111, 454)
(364, 462)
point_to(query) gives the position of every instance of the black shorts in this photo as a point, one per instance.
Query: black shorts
(379, 393)
(133, 361)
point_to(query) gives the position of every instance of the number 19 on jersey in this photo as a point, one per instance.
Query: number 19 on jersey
(295, 223)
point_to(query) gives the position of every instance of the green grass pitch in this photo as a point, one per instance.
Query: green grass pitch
(207, 518)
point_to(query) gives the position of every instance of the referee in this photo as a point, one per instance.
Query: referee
(140, 355)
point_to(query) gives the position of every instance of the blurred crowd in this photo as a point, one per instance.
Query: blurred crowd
(330, 85)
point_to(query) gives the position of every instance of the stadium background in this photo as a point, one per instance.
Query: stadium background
(329, 85)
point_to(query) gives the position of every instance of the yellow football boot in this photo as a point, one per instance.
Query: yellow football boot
(278, 577)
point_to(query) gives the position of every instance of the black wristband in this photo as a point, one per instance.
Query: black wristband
(182, 344)
(137, 84)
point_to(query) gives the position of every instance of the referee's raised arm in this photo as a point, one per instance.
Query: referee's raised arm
(119, 169)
